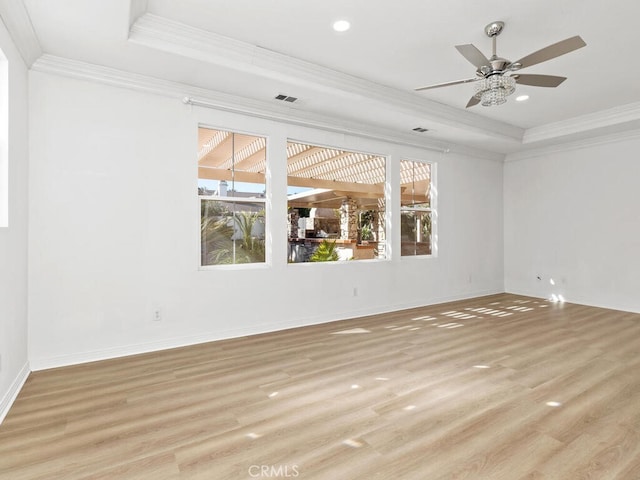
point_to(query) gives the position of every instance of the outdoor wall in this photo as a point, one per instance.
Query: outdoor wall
(13, 229)
(114, 227)
(574, 216)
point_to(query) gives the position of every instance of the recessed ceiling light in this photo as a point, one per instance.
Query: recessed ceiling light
(522, 98)
(341, 25)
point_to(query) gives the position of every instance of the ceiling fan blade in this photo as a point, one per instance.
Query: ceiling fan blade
(539, 80)
(552, 51)
(446, 84)
(475, 56)
(472, 101)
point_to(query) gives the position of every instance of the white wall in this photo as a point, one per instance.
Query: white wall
(114, 228)
(13, 238)
(574, 217)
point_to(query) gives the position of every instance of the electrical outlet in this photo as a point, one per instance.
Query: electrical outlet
(157, 315)
(355, 291)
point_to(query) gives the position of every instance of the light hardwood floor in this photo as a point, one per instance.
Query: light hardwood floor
(499, 387)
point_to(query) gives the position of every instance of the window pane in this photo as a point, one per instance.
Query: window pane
(231, 183)
(415, 208)
(4, 137)
(415, 233)
(415, 184)
(231, 164)
(231, 232)
(336, 204)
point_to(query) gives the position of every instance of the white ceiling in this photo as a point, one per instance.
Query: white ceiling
(254, 50)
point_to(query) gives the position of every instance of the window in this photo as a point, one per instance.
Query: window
(416, 213)
(336, 204)
(4, 137)
(232, 191)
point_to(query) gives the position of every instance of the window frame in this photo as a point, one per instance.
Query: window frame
(384, 224)
(431, 209)
(232, 200)
(4, 141)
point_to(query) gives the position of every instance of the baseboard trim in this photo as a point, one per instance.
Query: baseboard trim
(45, 363)
(579, 301)
(14, 390)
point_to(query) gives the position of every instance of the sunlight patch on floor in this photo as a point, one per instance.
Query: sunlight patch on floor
(492, 312)
(425, 318)
(520, 309)
(480, 310)
(396, 328)
(459, 315)
(350, 442)
(449, 325)
(351, 331)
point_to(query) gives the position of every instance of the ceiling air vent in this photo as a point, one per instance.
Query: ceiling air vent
(286, 98)
(420, 129)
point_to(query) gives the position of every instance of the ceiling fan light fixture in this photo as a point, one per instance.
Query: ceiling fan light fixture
(495, 89)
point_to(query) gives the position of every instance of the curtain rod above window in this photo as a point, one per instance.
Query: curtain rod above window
(288, 118)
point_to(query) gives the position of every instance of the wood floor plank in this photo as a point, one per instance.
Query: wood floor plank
(503, 387)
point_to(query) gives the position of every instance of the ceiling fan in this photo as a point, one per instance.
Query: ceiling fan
(495, 76)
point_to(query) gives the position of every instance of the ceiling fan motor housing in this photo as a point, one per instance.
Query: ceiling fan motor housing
(498, 65)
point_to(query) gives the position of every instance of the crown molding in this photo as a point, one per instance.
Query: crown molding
(589, 142)
(586, 123)
(290, 115)
(257, 108)
(136, 10)
(170, 36)
(16, 18)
